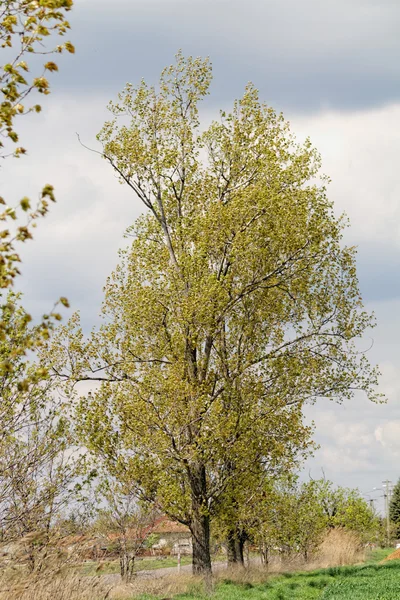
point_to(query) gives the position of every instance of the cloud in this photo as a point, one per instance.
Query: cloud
(302, 56)
(388, 435)
(75, 247)
(359, 150)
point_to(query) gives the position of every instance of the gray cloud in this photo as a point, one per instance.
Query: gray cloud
(302, 55)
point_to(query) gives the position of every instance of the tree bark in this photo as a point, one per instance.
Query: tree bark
(235, 546)
(231, 548)
(200, 522)
(127, 564)
(239, 544)
(264, 553)
(200, 529)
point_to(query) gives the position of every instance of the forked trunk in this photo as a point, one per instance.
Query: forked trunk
(126, 564)
(235, 547)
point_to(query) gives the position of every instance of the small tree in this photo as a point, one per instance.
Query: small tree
(124, 522)
(346, 508)
(292, 519)
(36, 472)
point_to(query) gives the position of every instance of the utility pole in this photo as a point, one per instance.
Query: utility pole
(387, 491)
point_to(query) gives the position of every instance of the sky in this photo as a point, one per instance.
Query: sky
(332, 67)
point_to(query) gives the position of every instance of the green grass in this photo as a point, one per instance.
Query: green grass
(365, 582)
(375, 582)
(378, 554)
(145, 564)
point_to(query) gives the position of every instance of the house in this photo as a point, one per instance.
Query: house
(172, 537)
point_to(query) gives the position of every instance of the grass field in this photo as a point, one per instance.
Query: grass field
(371, 581)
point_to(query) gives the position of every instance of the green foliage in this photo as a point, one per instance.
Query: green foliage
(23, 27)
(295, 520)
(346, 508)
(394, 508)
(235, 304)
(290, 517)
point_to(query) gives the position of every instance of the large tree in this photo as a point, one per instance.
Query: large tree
(235, 304)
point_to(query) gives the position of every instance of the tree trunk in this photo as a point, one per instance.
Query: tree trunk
(200, 522)
(231, 548)
(239, 544)
(200, 529)
(127, 564)
(264, 552)
(235, 546)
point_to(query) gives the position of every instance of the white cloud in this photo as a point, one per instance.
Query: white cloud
(359, 151)
(388, 435)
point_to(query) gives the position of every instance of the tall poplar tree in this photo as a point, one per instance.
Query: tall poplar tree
(235, 304)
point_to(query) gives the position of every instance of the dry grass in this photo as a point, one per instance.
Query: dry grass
(74, 587)
(339, 548)
(58, 588)
(164, 587)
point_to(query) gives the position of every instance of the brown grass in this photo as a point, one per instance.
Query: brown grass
(58, 588)
(340, 547)
(164, 587)
(74, 587)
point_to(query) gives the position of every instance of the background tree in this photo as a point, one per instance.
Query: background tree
(235, 292)
(289, 520)
(244, 510)
(346, 508)
(124, 522)
(36, 473)
(394, 508)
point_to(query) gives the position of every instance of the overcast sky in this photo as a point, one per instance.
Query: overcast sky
(332, 67)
